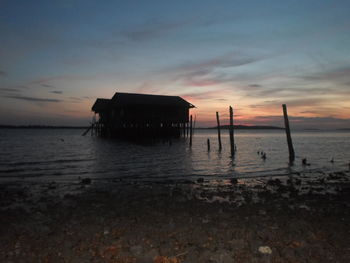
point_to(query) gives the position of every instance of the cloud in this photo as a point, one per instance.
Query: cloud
(34, 99)
(75, 99)
(231, 59)
(10, 90)
(47, 85)
(57, 92)
(210, 72)
(3, 73)
(152, 29)
(254, 86)
(205, 95)
(338, 74)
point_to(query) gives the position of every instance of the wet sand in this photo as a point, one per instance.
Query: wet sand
(301, 218)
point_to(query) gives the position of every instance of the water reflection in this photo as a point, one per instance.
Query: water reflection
(65, 155)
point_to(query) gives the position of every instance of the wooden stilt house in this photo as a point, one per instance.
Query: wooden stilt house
(142, 115)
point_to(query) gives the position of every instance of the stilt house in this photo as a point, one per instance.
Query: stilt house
(141, 115)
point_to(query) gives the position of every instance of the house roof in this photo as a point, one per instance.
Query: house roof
(101, 105)
(123, 99)
(132, 99)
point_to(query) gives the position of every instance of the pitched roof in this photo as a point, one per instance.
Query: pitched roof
(101, 105)
(122, 99)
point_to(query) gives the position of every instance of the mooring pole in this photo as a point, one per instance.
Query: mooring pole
(289, 138)
(232, 138)
(219, 133)
(191, 131)
(194, 125)
(187, 129)
(208, 144)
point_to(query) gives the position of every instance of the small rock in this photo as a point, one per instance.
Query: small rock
(147, 257)
(205, 220)
(262, 212)
(304, 207)
(265, 250)
(136, 250)
(233, 181)
(221, 256)
(238, 244)
(200, 180)
(52, 186)
(86, 181)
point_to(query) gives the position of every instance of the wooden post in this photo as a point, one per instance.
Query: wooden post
(194, 125)
(191, 131)
(187, 129)
(232, 138)
(208, 144)
(219, 133)
(289, 138)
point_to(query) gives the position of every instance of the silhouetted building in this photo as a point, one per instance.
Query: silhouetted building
(142, 115)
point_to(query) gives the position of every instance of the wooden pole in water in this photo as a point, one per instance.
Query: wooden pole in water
(191, 131)
(194, 124)
(232, 138)
(219, 133)
(187, 129)
(208, 144)
(289, 138)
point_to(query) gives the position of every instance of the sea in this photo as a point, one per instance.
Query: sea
(64, 155)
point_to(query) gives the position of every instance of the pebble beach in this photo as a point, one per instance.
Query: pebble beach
(301, 218)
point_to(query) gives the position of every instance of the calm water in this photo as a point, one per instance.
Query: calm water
(65, 155)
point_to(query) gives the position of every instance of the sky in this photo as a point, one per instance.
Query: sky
(57, 57)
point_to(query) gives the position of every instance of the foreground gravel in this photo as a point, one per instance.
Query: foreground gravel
(276, 220)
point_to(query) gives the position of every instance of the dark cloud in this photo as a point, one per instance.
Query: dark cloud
(34, 99)
(271, 101)
(152, 29)
(309, 112)
(57, 92)
(254, 86)
(256, 106)
(75, 99)
(47, 85)
(10, 90)
(3, 73)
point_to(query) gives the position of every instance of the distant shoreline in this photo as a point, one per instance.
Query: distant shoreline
(246, 127)
(224, 127)
(40, 127)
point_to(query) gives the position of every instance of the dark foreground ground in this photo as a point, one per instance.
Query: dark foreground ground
(296, 219)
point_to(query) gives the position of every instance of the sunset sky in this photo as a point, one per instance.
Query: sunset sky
(57, 57)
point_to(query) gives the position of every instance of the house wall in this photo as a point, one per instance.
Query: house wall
(144, 121)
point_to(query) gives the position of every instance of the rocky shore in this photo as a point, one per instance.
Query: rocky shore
(299, 218)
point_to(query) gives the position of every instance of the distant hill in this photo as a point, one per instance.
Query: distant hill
(40, 127)
(246, 127)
